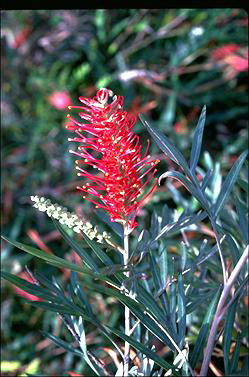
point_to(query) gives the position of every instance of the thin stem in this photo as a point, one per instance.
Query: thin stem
(220, 311)
(127, 310)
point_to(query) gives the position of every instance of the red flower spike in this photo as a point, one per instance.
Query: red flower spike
(115, 154)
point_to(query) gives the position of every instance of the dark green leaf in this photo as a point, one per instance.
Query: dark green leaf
(146, 351)
(197, 141)
(236, 353)
(228, 184)
(61, 343)
(203, 333)
(157, 281)
(58, 262)
(206, 179)
(136, 309)
(98, 251)
(85, 257)
(197, 193)
(228, 328)
(33, 289)
(180, 224)
(166, 146)
(243, 219)
(181, 312)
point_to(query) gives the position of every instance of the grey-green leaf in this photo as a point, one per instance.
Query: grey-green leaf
(197, 141)
(228, 184)
(202, 337)
(166, 146)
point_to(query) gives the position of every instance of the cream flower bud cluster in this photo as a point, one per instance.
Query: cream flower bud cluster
(68, 218)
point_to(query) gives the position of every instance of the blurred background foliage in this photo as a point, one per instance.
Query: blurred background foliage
(167, 63)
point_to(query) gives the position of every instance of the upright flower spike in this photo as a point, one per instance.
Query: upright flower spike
(115, 152)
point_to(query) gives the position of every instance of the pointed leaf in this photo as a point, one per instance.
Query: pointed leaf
(197, 193)
(236, 353)
(204, 330)
(61, 343)
(146, 351)
(59, 262)
(33, 289)
(197, 141)
(86, 258)
(98, 251)
(181, 312)
(180, 224)
(136, 309)
(228, 328)
(228, 184)
(206, 179)
(166, 146)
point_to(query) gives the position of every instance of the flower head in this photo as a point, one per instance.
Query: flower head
(115, 152)
(60, 100)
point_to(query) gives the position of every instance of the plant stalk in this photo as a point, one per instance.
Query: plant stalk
(220, 311)
(127, 310)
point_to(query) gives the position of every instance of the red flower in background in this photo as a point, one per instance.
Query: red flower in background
(221, 52)
(26, 276)
(60, 100)
(121, 165)
(233, 57)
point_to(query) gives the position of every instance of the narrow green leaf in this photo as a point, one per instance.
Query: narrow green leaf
(98, 251)
(243, 218)
(172, 294)
(33, 289)
(86, 258)
(56, 308)
(146, 351)
(236, 353)
(204, 330)
(166, 146)
(228, 328)
(180, 224)
(181, 312)
(61, 343)
(80, 293)
(197, 141)
(228, 184)
(59, 262)
(206, 179)
(147, 300)
(157, 281)
(197, 193)
(136, 309)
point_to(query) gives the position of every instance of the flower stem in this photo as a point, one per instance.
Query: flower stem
(220, 311)
(127, 310)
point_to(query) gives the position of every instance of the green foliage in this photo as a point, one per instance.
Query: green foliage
(162, 62)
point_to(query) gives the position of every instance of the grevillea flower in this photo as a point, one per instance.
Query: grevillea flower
(115, 152)
(60, 100)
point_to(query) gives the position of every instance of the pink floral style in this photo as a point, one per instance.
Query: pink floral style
(60, 100)
(26, 276)
(115, 152)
